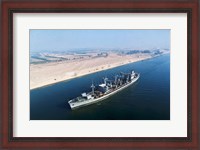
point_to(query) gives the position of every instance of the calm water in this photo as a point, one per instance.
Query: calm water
(147, 99)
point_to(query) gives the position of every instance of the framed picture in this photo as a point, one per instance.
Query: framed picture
(100, 74)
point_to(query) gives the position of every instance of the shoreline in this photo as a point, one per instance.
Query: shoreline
(111, 66)
(89, 73)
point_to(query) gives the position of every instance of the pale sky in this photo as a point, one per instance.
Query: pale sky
(63, 40)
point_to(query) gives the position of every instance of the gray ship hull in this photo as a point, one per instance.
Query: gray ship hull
(75, 105)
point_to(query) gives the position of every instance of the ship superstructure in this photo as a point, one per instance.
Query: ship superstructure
(105, 89)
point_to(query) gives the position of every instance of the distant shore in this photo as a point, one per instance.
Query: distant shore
(51, 73)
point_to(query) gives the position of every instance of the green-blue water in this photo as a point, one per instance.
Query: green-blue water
(147, 99)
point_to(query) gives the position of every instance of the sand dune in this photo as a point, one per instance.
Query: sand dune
(49, 73)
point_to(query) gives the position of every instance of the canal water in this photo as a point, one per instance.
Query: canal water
(147, 99)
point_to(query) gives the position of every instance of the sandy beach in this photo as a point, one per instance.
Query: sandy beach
(53, 72)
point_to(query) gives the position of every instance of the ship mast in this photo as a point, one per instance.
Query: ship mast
(115, 79)
(92, 86)
(105, 79)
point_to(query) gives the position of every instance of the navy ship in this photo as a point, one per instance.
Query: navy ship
(104, 90)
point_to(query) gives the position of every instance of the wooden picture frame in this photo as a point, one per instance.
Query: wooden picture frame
(87, 6)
